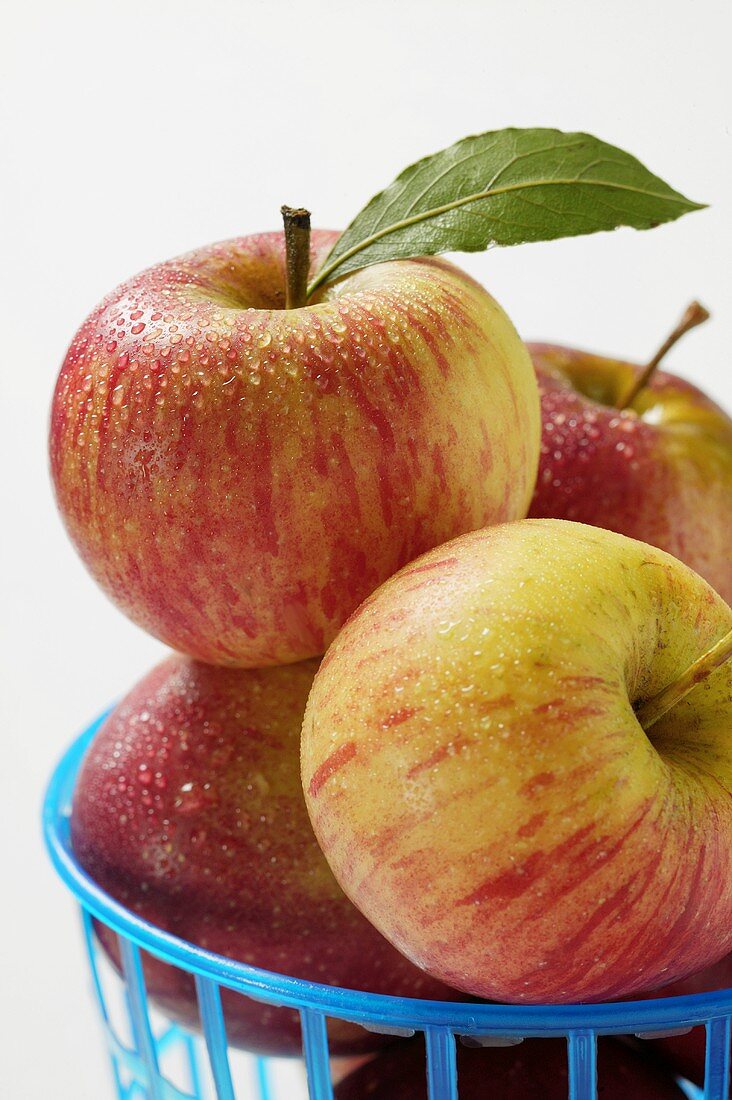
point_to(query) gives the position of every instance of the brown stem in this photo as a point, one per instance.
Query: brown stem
(655, 707)
(695, 315)
(297, 255)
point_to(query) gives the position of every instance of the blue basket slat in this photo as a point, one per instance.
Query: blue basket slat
(690, 1091)
(265, 1092)
(194, 1071)
(91, 951)
(582, 1059)
(139, 1016)
(214, 1032)
(315, 1049)
(138, 1072)
(376, 1011)
(441, 1064)
(717, 1061)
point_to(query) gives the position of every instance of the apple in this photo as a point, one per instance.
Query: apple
(189, 811)
(535, 1068)
(490, 772)
(659, 470)
(238, 476)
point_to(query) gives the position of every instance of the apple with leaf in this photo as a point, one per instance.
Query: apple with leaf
(247, 440)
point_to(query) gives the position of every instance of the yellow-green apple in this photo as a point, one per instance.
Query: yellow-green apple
(659, 469)
(480, 780)
(189, 811)
(239, 476)
(535, 1068)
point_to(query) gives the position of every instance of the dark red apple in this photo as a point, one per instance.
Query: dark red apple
(537, 1068)
(659, 470)
(189, 810)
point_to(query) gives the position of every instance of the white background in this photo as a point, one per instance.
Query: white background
(136, 130)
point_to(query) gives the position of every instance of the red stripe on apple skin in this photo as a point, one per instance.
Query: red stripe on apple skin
(485, 460)
(582, 681)
(532, 826)
(441, 565)
(455, 746)
(432, 341)
(519, 878)
(501, 702)
(329, 767)
(398, 716)
(263, 486)
(465, 322)
(531, 786)
(348, 475)
(551, 704)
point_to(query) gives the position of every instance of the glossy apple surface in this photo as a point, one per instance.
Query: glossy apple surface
(660, 471)
(238, 476)
(189, 811)
(478, 779)
(536, 1068)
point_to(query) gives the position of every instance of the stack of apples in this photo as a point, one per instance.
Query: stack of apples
(510, 776)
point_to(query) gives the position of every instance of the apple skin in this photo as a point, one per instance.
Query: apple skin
(189, 811)
(482, 789)
(238, 477)
(534, 1068)
(660, 471)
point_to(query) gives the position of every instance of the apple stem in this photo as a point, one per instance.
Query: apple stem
(297, 255)
(654, 708)
(695, 315)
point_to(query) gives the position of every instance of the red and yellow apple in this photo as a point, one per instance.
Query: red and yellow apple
(189, 811)
(482, 787)
(239, 476)
(535, 1068)
(659, 470)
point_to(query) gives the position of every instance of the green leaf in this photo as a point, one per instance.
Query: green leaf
(501, 188)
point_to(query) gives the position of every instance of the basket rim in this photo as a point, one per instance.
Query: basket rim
(373, 1009)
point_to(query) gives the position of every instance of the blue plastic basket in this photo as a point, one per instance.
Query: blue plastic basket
(139, 1063)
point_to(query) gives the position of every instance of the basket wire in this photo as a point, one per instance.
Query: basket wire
(136, 1065)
